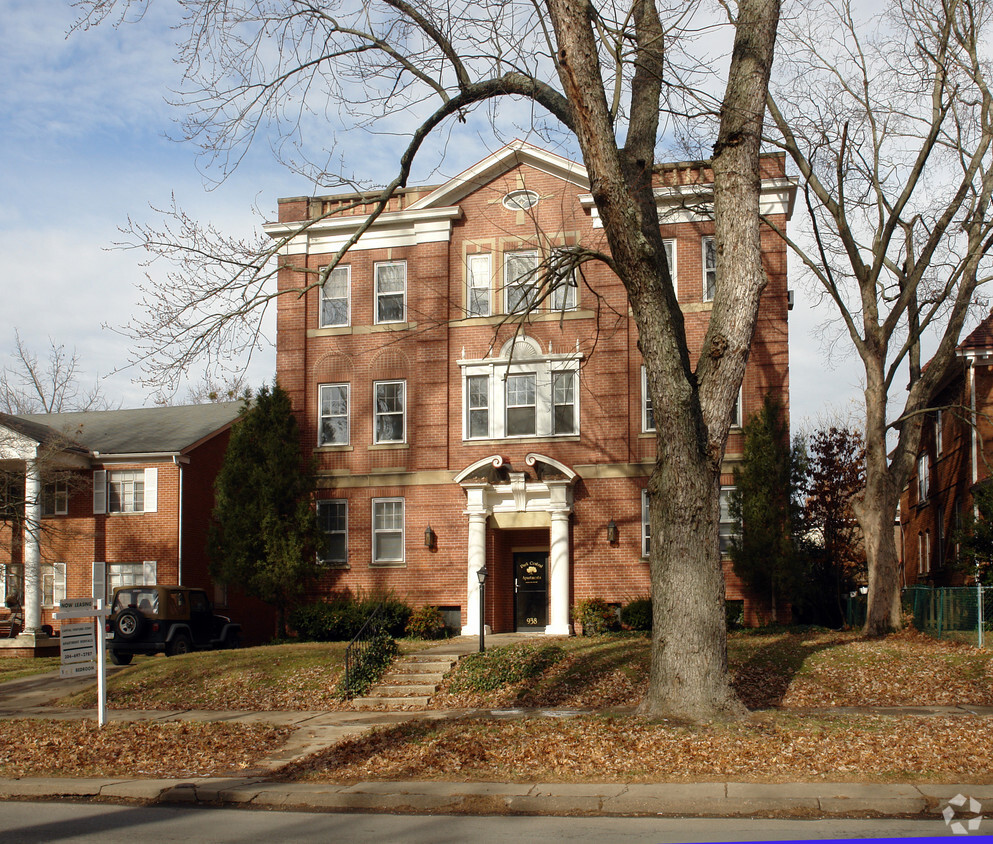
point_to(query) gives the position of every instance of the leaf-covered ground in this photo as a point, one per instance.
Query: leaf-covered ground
(772, 748)
(36, 747)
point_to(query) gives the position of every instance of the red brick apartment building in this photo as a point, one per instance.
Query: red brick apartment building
(118, 497)
(955, 454)
(452, 428)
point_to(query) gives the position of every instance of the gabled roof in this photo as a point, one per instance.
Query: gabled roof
(37, 432)
(980, 338)
(515, 153)
(147, 430)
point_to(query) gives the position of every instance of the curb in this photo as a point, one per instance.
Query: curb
(717, 800)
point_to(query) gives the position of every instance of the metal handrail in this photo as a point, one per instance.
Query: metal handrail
(360, 644)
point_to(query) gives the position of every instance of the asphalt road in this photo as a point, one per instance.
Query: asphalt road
(29, 822)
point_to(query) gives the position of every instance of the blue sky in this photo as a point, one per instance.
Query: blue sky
(85, 146)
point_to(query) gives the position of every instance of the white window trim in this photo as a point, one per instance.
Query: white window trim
(57, 571)
(725, 502)
(703, 265)
(542, 366)
(938, 433)
(473, 275)
(60, 498)
(348, 298)
(375, 412)
(738, 420)
(101, 491)
(534, 280)
(646, 526)
(324, 502)
(403, 533)
(669, 244)
(645, 401)
(466, 426)
(923, 478)
(376, 294)
(320, 415)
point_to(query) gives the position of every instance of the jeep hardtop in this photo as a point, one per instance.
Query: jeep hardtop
(165, 619)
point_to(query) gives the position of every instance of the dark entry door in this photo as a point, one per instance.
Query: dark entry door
(531, 589)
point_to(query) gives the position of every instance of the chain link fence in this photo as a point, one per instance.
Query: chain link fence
(960, 613)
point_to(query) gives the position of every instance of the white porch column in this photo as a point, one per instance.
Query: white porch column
(477, 559)
(32, 548)
(558, 616)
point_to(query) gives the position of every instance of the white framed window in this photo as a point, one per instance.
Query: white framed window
(647, 414)
(709, 268)
(726, 527)
(336, 297)
(923, 477)
(333, 427)
(564, 293)
(332, 517)
(391, 292)
(563, 402)
(927, 552)
(669, 244)
(130, 574)
(520, 281)
(522, 398)
(523, 392)
(389, 411)
(55, 499)
(920, 553)
(939, 433)
(126, 491)
(478, 275)
(477, 406)
(520, 200)
(53, 584)
(646, 525)
(387, 531)
(737, 419)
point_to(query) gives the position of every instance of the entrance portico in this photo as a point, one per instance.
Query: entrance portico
(538, 496)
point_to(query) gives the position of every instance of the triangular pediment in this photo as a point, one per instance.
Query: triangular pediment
(515, 154)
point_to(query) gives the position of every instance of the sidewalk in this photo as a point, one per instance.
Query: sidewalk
(313, 731)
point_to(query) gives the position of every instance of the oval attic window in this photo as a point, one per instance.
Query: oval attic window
(520, 200)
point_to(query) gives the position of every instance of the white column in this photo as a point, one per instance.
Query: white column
(558, 621)
(477, 560)
(32, 548)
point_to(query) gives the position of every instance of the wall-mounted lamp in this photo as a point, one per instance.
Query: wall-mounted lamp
(612, 532)
(430, 538)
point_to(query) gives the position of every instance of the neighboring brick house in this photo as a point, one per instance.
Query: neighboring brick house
(451, 429)
(121, 497)
(955, 453)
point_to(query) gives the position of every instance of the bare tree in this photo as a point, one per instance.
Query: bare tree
(46, 386)
(606, 73)
(890, 122)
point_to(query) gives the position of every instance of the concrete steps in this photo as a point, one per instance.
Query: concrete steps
(410, 683)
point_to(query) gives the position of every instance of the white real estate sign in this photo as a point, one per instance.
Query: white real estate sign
(83, 644)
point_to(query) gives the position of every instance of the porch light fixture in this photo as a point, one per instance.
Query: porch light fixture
(481, 573)
(612, 532)
(430, 538)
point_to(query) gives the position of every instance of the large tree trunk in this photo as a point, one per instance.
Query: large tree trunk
(876, 511)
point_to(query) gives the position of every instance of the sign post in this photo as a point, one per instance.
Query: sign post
(80, 646)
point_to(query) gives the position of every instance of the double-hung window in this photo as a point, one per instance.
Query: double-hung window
(387, 531)
(647, 412)
(391, 292)
(53, 584)
(55, 499)
(923, 477)
(332, 516)
(646, 525)
(390, 411)
(520, 281)
(335, 296)
(709, 269)
(522, 392)
(126, 492)
(521, 405)
(564, 402)
(478, 272)
(726, 528)
(334, 428)
(564, 293)
(477, 406)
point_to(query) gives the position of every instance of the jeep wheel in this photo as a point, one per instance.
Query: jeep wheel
(129, 624)
(233, 641)
(121, 658)
(179, 645)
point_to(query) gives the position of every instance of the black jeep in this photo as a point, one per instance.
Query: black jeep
(165, 619)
